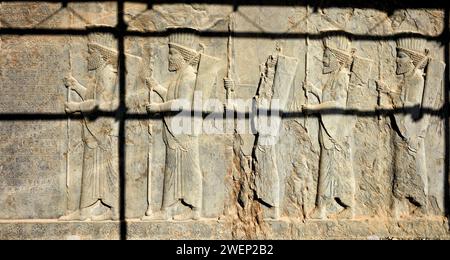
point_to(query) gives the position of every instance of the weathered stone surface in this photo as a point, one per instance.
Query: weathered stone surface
(213, 230)
(354, 146)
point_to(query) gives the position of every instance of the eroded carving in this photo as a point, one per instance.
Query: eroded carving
(416, 91)
(347, 148)
(276, 81)
(336, 184)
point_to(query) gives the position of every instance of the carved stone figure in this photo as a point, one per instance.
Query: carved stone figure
(336, 182)
(273, 94)
(231, 120)
(99, 191)
(182, 174)
(410, 184)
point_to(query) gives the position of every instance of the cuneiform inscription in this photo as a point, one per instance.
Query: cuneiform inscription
(22, 146)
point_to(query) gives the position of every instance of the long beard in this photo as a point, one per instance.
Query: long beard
(332, 67)
(95, 62)
(403, 68)
(175, 64)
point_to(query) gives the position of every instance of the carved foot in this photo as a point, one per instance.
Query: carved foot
(347, 213)
(420, 212)
(192, 215)
(318, 213)
(182, 217)
(75, 216)
(115, 214)
(102, 217)
(395, 209)
(196, 214)
(273, 214)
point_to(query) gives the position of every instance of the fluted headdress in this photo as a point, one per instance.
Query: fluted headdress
(103, 42)
(185, 40)
(339, 45)
(415, 49)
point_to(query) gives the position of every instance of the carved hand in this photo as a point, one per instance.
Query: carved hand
(228, 84)
(151, 84)
(71, 107)
(305, 109)
(272, 61)
(308, 87)
(152, 108)
(70, 81)
(382, 87)
(383, 107)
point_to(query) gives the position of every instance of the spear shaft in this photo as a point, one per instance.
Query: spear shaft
(69, 89)
(150, 142)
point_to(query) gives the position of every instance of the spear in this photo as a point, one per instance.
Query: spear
(305, 118)
(69, 89)
(228, 81)
(150, 141)
(380, 69)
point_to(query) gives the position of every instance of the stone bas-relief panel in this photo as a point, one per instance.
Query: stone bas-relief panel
(352, 146)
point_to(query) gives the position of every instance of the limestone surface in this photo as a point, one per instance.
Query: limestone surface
(205, 121)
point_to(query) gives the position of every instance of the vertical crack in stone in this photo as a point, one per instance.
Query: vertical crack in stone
(248, 220)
